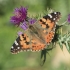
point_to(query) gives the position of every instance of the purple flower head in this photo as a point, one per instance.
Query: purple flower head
(68, 18)
(32, 21)
(19, 33)
(20, 14)
(24, 25)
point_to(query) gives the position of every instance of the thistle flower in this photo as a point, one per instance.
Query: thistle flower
(32, 21)
(24, 25)
(19, 33)
(20, 14)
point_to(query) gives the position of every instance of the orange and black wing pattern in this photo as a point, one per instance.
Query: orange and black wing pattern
(25, 43)
(48, 23)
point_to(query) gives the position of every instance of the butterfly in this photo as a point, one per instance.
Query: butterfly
(38, 35)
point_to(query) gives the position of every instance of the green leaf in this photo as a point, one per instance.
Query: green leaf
(67, 46)
(61, 45)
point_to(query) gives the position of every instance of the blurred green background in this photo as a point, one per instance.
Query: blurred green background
(57, 60)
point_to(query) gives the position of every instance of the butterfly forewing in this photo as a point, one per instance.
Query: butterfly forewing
(21, 43)
(48, 24)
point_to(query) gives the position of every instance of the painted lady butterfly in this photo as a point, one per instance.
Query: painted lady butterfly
(38, 35)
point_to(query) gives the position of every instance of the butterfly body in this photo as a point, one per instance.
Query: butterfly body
(38, 35)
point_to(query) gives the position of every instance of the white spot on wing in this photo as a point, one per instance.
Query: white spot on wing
(49, 15)
(55, 13)
(16, 42)
(12, 47)
(18, 47)
(28, 50)
(53, 18)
